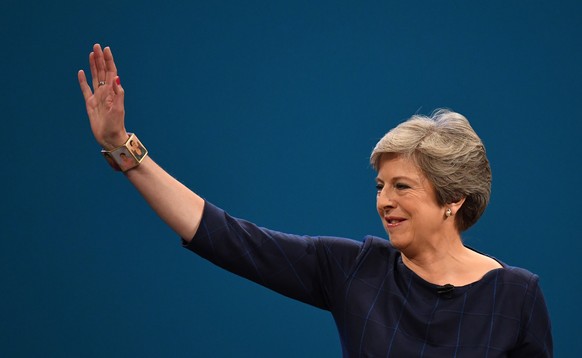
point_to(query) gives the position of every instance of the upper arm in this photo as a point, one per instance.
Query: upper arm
(536, 333)
(305, 268)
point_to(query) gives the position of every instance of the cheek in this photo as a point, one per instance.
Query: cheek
(380, 209)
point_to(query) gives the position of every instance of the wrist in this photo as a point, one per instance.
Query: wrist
(114, 142)
(126, 156)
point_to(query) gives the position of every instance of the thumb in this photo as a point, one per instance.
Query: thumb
(119, 93)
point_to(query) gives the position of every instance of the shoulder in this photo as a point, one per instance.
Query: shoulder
(522, 290)
(379, 245)
(514, 289)
(376, 255)
(521, 286)
(517, 276)
(507, 274)
(510, 282)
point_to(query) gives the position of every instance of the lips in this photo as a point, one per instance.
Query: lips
(393, 221)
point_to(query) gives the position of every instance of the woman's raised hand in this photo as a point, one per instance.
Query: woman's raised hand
(177, 205)
(105, 103)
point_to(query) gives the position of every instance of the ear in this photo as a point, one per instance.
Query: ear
(456, 206)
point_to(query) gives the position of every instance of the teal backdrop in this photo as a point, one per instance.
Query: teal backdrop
(268, 109)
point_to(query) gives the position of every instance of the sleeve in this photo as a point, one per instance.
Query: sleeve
(305, 268)
(536, 331)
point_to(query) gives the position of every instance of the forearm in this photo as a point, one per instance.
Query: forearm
(174, 203)
(177, 205)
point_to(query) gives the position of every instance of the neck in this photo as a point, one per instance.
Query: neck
(441, 264)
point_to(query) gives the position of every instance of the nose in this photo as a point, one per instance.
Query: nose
(384, 200)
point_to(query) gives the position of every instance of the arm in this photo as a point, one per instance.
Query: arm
(177, 205)
(301, 267)
(536, 332)
(310, 269)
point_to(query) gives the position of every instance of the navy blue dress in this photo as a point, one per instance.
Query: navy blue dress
(382, 308)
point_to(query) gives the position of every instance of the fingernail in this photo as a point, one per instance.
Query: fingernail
(117, 80)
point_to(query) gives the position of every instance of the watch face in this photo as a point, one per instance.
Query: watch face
(110, 160)
(124, 158)
(136, 148)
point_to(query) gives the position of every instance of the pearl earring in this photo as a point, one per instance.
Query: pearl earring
(448, 213)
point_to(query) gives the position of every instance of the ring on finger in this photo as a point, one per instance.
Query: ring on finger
(101, 83)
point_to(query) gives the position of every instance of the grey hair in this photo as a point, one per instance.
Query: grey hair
(450, 154)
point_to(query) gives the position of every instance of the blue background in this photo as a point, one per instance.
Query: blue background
(268, 109)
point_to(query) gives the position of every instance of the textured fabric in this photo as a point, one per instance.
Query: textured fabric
(381, 308)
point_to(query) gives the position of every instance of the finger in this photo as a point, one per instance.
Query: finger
(117, 89)
(93, 67)
(109, 65)
(119, 95)
(84, 85)
(99, 63)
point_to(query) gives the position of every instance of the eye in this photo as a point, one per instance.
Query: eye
(379, 187)
(401, 186)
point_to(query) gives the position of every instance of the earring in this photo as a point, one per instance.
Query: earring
(448, 213)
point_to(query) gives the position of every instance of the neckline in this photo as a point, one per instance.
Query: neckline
(432, 288)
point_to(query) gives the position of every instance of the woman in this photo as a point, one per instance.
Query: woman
(423, 294)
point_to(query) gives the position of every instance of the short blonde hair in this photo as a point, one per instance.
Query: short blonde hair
(450, 154)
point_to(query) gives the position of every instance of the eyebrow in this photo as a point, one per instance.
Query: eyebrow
(397, 178)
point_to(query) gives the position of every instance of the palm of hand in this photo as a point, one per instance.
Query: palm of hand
(105, 106)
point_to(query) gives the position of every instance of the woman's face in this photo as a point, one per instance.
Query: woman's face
(407, 205)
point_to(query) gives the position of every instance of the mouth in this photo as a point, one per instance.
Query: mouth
(392, 221)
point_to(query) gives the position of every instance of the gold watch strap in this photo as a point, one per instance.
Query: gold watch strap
(127, 156)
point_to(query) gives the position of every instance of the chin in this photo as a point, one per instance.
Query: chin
(400, 240)
(395, 242)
